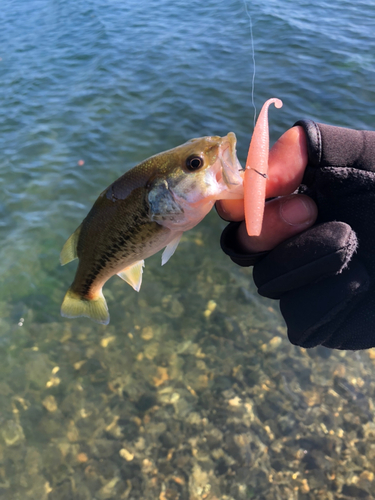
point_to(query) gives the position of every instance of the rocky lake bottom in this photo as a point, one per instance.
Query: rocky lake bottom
(201, 398)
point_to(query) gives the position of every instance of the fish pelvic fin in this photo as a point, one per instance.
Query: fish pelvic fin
(74, 306)
(133, 275)
(69, 250)
(171, 248)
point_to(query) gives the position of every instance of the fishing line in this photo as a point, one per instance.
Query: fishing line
(253, 57)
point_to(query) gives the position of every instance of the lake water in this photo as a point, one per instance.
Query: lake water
(193, 391)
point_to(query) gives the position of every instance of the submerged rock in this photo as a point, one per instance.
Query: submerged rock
(12, 433)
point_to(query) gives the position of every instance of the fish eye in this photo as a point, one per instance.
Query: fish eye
(194, 162)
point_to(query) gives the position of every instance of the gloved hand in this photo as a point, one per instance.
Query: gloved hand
(325, 276)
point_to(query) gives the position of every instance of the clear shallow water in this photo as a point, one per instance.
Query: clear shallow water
(205, 406)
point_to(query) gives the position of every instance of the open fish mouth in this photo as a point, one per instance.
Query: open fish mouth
(231, 167)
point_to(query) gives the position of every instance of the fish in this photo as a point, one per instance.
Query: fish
(146, 210)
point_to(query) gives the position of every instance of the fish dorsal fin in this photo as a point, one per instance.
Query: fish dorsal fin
(69, 250)
(171, 248)
(133, 275)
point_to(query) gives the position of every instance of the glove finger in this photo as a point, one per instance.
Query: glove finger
(320, 251)
(315, 312)
(330, 146)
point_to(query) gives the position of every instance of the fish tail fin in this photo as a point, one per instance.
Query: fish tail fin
(74, 306)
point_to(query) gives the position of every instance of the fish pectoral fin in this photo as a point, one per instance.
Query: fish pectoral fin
(69, 250)
(133, 275)
(171, 248)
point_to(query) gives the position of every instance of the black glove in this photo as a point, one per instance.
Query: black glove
(324, 277)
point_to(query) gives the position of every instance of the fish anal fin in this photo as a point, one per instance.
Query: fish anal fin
(69, 250)
(171, 248)
(133, 275)
(75, 306)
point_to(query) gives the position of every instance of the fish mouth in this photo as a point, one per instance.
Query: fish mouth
(231, 169)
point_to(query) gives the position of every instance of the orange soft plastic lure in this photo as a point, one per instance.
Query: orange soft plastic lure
(255, 177)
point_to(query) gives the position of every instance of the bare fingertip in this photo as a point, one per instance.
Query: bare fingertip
(298, 210)
(230, 210)
(221, 212)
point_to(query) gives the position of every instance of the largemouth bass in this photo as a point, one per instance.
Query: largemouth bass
(145, 210)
